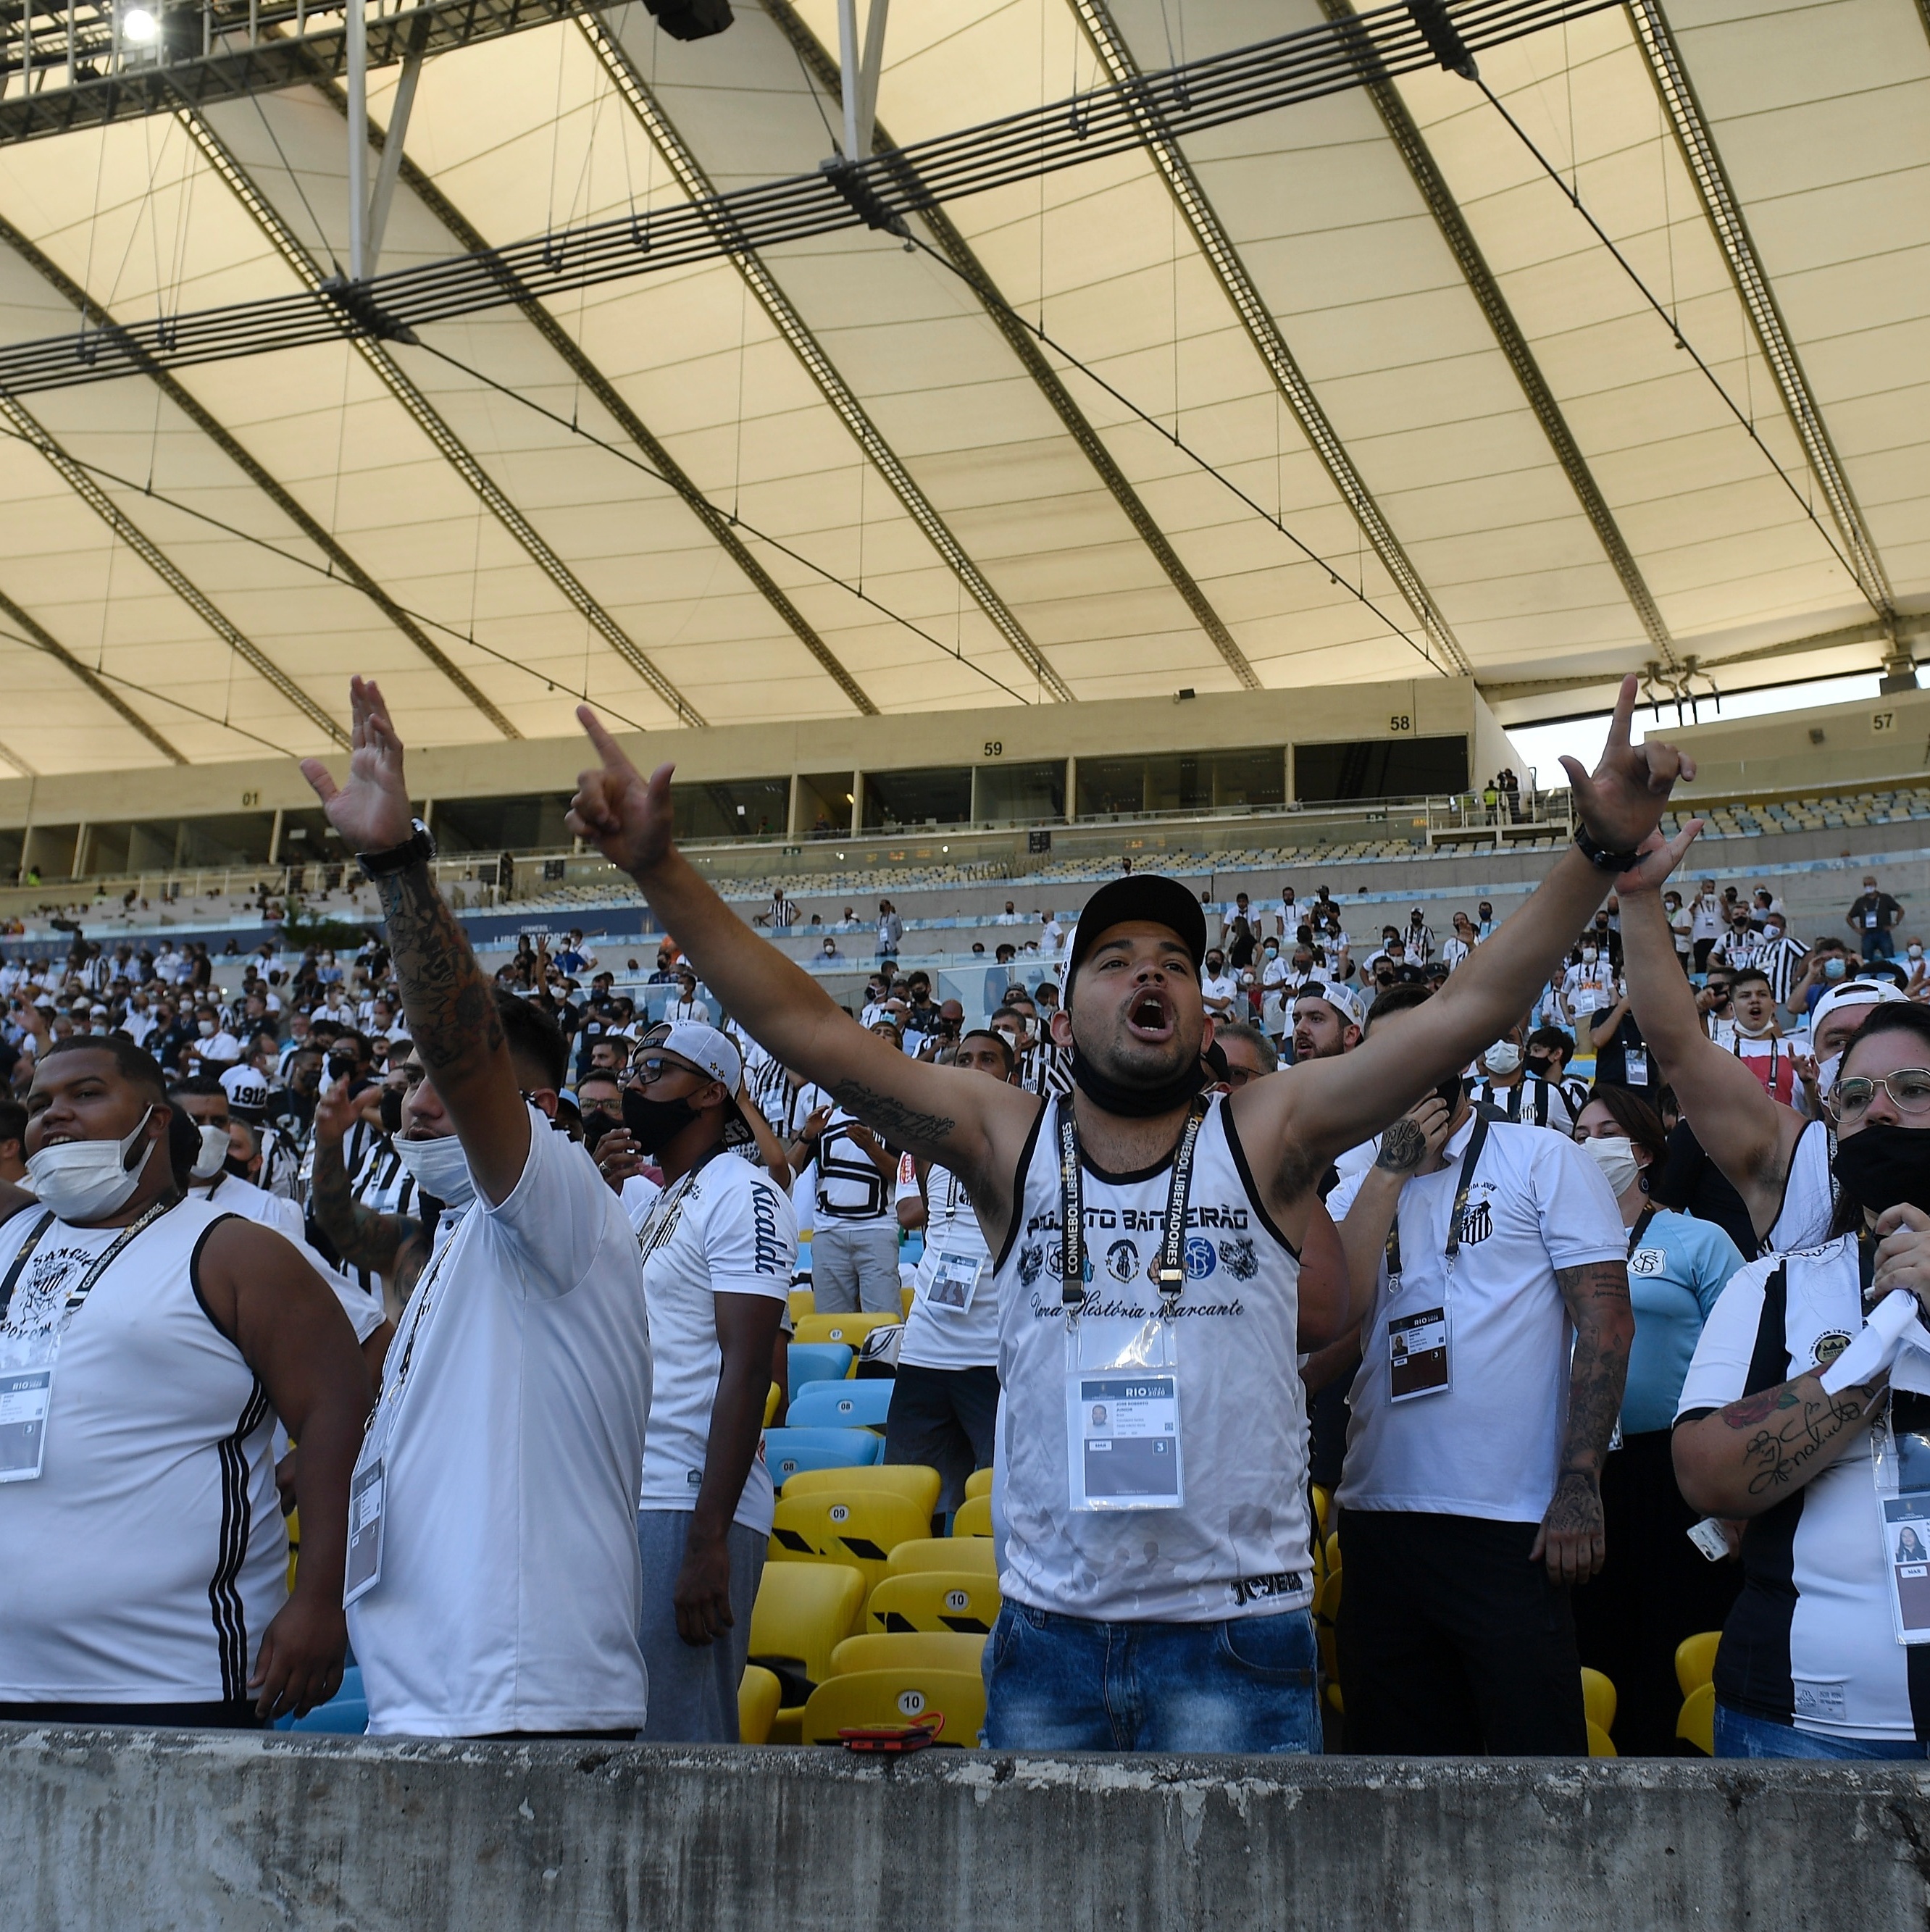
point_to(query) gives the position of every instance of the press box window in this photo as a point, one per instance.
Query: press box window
(1380, 768)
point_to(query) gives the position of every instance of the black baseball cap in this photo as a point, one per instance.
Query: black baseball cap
(1139, 895)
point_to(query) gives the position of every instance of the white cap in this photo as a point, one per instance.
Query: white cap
(1342, 999)
(1852, 993)
(711, 1052)
(244, 1088)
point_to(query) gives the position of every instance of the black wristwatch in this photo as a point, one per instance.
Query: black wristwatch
(1600, 857)
(418, 847)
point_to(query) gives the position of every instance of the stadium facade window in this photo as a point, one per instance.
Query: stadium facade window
(731, 809)
(226, 839)
(520, 824)
(140, 845)
(1380, 768)
(824, 805)
(939, 795)
(1018, 794)
(1203, 781)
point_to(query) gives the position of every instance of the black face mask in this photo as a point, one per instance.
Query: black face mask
(598, 1122)
(392, 1110)
(340, 1067)
(655, 1123)
(1886, 1166)
(1135, 1102)
(1450, 1093)
(1538, 1064)
(236, 1166)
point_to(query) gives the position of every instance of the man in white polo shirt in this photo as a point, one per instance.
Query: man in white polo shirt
(718, 1245)
(493, 1575)
(1495, 1345)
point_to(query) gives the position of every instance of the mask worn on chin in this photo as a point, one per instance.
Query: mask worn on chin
(1886, 1166)
(440, 1169)
(1502, 1059)
(1615, 1155)
(213, 1155)
(1134, 1102)
(82, 1180)
(655, 1123)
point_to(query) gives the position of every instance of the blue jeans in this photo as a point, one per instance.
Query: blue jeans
(1059, 1683)
(1738, 1735)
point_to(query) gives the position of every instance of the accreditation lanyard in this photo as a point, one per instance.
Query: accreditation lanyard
(1169, 1271)
(26, 1375)
(665, 1213)
(1420, 1359)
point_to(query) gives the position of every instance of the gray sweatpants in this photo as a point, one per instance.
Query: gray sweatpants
(854, 1267)
(693, 1687)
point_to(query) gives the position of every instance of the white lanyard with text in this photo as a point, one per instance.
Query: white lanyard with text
(1122, 1379)
(1419, 1359)
(666, 1211)
(26, 1374)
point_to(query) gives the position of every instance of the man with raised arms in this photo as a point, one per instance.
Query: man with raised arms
(1145, 1240)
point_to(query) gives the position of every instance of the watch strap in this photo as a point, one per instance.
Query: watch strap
(1599, 856)
(418, 848)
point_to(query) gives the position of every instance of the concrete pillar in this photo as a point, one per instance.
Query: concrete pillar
(80, 843)
(794, 817)
(275, 838)
(857, 803)
(1072, 788)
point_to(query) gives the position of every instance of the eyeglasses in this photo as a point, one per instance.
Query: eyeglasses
(1909, 1089)
(649, 1068)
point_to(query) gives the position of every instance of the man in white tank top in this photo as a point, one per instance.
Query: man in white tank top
(146, 1343)
(1777, 1161)
(1153, 1478)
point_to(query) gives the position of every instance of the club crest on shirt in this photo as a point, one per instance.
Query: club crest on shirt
(1828, 1346)
(1478, 1224)
(1201, 1261)
(1055, 1263)
(1240, 1260)
(1031, 1262)
(1122, 1261)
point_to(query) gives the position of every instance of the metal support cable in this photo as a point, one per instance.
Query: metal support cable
(1738, 250)
(1221, 257)
(979, 280)
(44, 640)
(426, 418)
(82, 484)
(789, 324)
(1412, 146)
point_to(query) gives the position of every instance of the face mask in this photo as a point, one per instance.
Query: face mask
(207, 1029)
(1916, 951)
(1834, 969)
(1589, 955)
(1009, 1035)
(1214, 966)
(82, 1180)
(598, 1122)
(1501, 1058)
(440, 1169)
(213, 1155)
(1273, 952)
(1771, 934)
(1615, 1155)
(1540, 1065)
(340, 1068)
(655, 1123)
(1450, 1091)
(1886, 1166)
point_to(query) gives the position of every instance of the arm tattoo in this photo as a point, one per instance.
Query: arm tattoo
(1597, 1295)
(1794, 1430)
(1402, 1147)
(451, 1006)
(362, 1237)
(885, 1114)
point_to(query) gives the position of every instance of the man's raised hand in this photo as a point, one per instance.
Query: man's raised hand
(1660, 857)
(626, 815)
(1624, 800)
(371, 812)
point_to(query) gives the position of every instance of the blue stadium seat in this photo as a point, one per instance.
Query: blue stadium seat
(345, 1715)
(788, 1451)
(817, 1362)
(860, 1405)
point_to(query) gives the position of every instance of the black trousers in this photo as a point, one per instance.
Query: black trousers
(945, 1418)
(1451, 1643)
(1655, 1589)
(236, 1714)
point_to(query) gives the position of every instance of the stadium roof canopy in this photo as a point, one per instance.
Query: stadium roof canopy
(1128, 361)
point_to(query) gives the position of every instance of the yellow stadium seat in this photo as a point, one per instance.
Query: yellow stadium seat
(1598, 1699)
(908, 1650)
(934, 1600)
(849, 1329)
(906, 1296)
(293, 1519)
(898, 1697)
(973, 1517)
(1326, 1610)
(972, 1553)
(1696, 1723)
(803, 1303)
(803, 1612)
(758, 1696)
(979, 1483)
(1323, 1508)
(1331, 1548)
(1695, 1660)
(843, 1525)
(917, 1484)
(1599, 1743)
(770, 1404)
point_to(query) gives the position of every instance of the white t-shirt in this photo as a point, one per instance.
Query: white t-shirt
(1532, 1101)
(1223, 985)
(688, 1009)
(1454, 949)
(511, 1589)
(229, 1194)
(640, 1195)
(1488, 1445)
(1705, 918)
(850, 1187)
(725, 1229)
(1589, 986)
(937, 1334)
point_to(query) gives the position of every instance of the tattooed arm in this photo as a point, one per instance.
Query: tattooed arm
(1570, 1539)
(1745, 1459)
(361, 1236)
(451, 1005)
(1411, 1145)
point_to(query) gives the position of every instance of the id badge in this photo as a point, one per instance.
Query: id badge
(1635, 1062)
(1417, 1355)
(1122, 1414)
(363, 1570)
(25, 1395)
(954, 1281)
(1900, 1461)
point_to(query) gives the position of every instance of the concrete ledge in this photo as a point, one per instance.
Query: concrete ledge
(128, 1830)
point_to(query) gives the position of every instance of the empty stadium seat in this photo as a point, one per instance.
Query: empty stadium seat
(788, 1451)
(849, 1329)
(773, 1402)
(817, 1362)
(842, 1405)
(843, 1526)
(1600, 1744)
(918, 1485)
(1696, 1722)
(759, 1695)
(1599, 1699)
(921, 1650)
(979, 1483)
(954, 1699)
(973, 1517)
(963, 1601)
(803, 1612)
(345, 1715)
(975, 1554)
(1695, 1660)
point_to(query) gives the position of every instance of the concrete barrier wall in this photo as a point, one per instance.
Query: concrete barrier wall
(131, 1831)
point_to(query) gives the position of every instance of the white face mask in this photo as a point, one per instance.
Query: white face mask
(439, 1168)
(82, 1180)
(1588, 955)
(1502, 1058)
(1826, 1071)
(213, 1152)
(207, 1029)
(1615, 1155)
